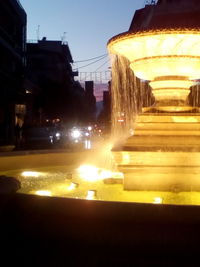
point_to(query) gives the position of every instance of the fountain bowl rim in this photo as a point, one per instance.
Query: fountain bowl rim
(128, 34)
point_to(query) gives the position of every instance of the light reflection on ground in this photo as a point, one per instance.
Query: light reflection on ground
(62, 181)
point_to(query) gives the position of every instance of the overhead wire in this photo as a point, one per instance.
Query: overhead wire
(79, 61)
(102, 64)
(93, 62)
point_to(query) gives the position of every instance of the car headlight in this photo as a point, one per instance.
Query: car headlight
(58, 134)
(76, 134)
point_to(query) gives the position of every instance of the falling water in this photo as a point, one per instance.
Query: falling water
(129, 95)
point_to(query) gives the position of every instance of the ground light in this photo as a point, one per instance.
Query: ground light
(43, 193)
(91, 194)
(31, 174)
(73, 186)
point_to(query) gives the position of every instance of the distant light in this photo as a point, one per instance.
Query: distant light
(88, 144)
(87, 134)
(58, 134)
(91, 194)
(76, 134)
(43, 193)
(89, 128)
(157, 200)
(30, 174)
(73, 186)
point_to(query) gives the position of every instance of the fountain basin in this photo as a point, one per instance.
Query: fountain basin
(55, 175)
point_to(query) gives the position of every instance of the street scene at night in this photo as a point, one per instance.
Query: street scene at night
(100, 132)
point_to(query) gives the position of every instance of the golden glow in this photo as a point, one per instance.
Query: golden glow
(31, 174)
(43, 193)
(91, 194)
(157, 200)
(72, 186)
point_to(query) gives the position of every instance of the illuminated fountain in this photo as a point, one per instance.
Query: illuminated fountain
(154, 66)
(162, 47)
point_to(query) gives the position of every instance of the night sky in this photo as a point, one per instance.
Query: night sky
(87, 25)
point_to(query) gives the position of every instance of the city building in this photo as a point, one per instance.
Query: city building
(90, 101)
(12, 63)
(52, 92)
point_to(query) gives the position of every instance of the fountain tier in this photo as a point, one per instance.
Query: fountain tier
(169, 59)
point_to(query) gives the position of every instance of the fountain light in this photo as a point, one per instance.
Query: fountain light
(31, 174)
(91, 194)
(73, 186)
(157, 200)
(92, 173)
(43, 193)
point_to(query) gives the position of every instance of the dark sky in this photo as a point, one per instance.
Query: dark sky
(88, 24)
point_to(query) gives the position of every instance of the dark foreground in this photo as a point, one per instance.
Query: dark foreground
(42, 231)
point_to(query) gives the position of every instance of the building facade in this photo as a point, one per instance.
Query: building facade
(12, 63)
(52, 90)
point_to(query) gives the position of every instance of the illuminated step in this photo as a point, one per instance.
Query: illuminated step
(167, 126)
(156, 158)
(167, 132)
(166, 117)
(160, 140)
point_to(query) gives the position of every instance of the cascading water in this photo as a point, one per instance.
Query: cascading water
(129, 95)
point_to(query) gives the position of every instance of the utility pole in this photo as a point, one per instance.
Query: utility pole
(63, 37)
(38, 33)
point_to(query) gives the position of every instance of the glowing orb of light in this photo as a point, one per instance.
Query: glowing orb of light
(43, 193)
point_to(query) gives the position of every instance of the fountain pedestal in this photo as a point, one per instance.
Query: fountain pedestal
(163, 154)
